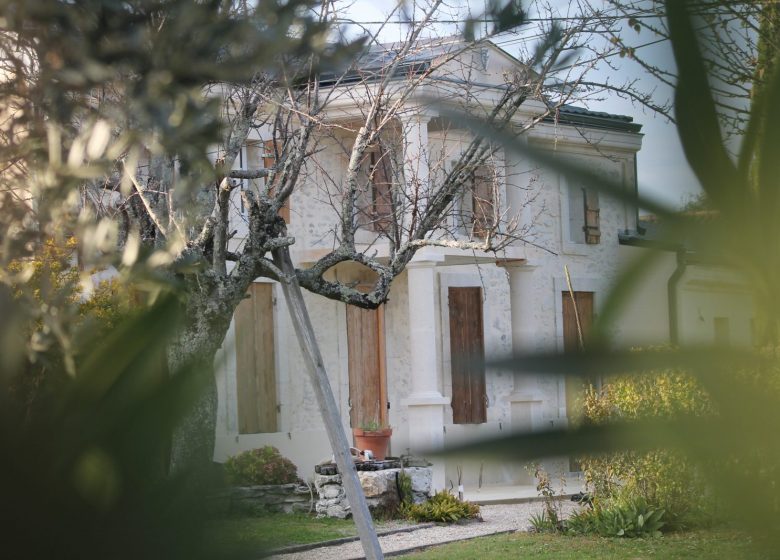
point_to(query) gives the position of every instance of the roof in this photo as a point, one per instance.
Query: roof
(571, 114)
(375, 60)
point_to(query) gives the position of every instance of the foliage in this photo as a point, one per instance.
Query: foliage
(373, 426)
(744, 191)
(545, 523)
(84, 469)
(666, 479)
(404, 482)
(443, 507)
(260, 466)
(551, 518)
(619, 518)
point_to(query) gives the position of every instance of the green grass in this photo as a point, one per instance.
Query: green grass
(248, 536)
(237, 535)
(699, 545)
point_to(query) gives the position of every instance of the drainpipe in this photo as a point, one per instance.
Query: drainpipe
(674, 280)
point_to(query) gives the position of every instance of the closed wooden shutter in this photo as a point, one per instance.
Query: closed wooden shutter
(483, 202)
(575, 386)
(381, 192)
(255, 362)
(366, 357)
(271, 152)
(467, 352)
(592, 226)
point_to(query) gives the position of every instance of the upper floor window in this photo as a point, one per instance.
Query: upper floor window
(375, 202)
(583, 215)
(272, 153)
(478, 203)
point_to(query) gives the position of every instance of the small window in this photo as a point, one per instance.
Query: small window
(478, 203)
(483, 201)
(584, 219)
(381, 191)
(375, 199)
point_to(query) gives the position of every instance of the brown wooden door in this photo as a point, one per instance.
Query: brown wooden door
(467, 351)
(575, 386)
(255, 362)
(367, 378)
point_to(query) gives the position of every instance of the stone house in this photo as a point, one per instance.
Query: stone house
(407, 364)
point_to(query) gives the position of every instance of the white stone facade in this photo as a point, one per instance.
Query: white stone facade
(522, 305)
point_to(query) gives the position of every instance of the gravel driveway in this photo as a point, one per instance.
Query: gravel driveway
(497, 519)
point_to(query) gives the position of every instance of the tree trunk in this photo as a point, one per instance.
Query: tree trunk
(192, 444)
(328, 408)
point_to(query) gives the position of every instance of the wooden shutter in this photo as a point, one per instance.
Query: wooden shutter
(271, 150)
(381, 192)
(366, 357)
(483, 202)
(467, 351)
(255, 362)
(592, 227)
(575, 386)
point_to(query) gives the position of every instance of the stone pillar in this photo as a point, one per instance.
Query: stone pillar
(526, 399)
(426, 403)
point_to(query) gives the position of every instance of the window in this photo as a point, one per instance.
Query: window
(380, 178)
(483, 201)
(583, 215)
(375, 202)
(478, 204)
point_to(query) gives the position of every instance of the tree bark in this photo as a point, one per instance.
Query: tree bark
(327, 403)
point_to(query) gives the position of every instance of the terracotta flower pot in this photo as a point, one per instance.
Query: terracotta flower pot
(376, 441)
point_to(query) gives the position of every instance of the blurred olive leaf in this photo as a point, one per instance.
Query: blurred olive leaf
(735, 446)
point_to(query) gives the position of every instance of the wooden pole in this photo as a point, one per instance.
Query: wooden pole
(580, 339)
(330, 413)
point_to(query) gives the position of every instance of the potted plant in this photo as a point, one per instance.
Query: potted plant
(374, 437)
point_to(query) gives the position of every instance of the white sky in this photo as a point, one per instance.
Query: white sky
(663, 172)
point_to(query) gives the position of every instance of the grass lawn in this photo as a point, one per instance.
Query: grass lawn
(237, 534)
(247, 536)
(699, 545)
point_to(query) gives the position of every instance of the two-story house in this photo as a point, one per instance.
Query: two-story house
(409, 364)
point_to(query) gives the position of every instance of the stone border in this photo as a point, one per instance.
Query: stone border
(427, 546)
(343, 540)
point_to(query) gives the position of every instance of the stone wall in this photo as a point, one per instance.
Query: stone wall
(380, 488)
(285, 498)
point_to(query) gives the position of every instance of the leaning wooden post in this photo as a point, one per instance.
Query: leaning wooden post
(327, 403)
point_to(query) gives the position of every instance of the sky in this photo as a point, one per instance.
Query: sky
(663, 172)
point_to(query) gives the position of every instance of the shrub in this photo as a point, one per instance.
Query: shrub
(618, 519)
(260, 467)
(663, 479)
(443, 507)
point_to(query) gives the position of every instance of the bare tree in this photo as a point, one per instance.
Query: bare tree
(738, 42)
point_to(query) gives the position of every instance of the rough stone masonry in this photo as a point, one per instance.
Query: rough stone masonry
(380, 488)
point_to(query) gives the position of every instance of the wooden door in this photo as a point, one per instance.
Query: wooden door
(255, 362)
(575, 386)
(467, 352)
(367, 376)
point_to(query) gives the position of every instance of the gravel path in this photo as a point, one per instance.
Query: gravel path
(497, 519)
